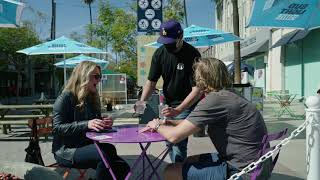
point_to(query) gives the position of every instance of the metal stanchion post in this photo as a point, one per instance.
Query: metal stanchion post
(313, 138)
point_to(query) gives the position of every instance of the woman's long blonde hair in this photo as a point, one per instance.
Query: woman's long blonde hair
(211, 74)
(78, 84)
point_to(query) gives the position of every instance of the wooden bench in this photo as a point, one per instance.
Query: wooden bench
(9, 120)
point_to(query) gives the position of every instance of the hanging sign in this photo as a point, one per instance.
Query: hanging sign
(149, 15)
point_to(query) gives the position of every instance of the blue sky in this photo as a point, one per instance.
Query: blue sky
(73, 15)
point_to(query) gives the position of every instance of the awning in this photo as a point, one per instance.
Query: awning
(291, 37)
(253, 45)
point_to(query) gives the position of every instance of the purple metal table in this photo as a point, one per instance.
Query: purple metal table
(130, 134)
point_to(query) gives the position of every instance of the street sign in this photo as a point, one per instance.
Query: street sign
(149, 15)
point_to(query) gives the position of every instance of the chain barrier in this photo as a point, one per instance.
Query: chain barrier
(270, 153)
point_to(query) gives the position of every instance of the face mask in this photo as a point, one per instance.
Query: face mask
(171, 48)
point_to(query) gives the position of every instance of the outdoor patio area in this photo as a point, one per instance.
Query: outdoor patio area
(287, 168)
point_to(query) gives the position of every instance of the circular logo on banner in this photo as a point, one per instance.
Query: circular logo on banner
(156, 23)
(156, 4)
(143, 4)
(150, 13)
(143, 24)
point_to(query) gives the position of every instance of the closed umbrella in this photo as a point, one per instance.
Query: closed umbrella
(299, 14)
(10, 13)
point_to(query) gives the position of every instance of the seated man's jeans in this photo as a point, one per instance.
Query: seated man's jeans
(178, 152)
(210, 167)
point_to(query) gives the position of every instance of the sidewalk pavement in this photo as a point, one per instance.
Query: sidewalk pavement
(290, 166)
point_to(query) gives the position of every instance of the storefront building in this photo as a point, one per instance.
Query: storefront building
(283, 59)
(301, 61)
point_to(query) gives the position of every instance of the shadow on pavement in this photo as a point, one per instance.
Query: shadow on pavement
(129, 159)
(277, 176)
(276, 127)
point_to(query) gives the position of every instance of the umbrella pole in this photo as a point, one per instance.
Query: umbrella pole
(64, 71)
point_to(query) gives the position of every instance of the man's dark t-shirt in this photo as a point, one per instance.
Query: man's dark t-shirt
(235, 126)
(177, 81)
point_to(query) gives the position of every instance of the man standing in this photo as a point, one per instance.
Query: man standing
(173, 62)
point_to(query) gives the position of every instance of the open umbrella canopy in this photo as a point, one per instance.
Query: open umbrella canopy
(61, 45)
(74, 61)
(10, 13)
(244, 67)
(203, 37)
(300, 14)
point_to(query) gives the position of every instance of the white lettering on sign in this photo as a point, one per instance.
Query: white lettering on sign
(248, 42)
(57, 46)
(287, 17)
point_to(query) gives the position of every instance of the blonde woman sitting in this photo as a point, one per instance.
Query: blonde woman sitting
(76, 111)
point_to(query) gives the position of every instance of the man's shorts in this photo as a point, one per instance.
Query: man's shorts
(209, 167)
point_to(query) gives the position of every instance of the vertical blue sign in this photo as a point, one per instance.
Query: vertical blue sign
(149, 15)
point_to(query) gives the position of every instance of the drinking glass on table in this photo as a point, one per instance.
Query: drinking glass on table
(140, 106)
(107, 120)
(161, 107)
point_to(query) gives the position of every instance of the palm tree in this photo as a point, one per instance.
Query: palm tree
(185, 12)
(89, 2)
(237, 55)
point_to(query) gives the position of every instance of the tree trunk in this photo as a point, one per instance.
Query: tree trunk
(185, 12)
(237, 55)
(90, 13)
(91, 34)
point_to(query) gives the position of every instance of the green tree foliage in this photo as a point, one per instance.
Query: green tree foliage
(173, 9)
(128, 67)
(89, 2)
(14, 39)
(117, 27)
(76, 36)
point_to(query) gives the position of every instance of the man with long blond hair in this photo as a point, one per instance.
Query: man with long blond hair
(76, 111)
(235, 127)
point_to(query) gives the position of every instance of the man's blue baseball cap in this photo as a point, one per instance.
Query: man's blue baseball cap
(170, 31)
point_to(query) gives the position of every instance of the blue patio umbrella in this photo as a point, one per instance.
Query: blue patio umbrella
(203, 37)
(300, 14)
(244, 67)
(61, 45)
(10, 13)
(74, 61)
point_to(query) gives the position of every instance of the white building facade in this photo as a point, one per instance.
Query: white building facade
(255, 46)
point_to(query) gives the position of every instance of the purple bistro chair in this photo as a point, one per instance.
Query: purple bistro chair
(266, 147)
